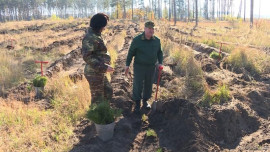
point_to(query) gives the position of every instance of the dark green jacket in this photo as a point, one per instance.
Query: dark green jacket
(95, 52)
(146, 52)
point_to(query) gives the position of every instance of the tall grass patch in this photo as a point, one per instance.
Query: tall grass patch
(29, 128)
(180, 56)
(69, 97)
(244, 58)
(219, 96)
(188, 67)
(194, 77)
(11, 73)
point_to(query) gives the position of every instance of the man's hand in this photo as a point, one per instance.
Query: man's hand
(110, 69)
(160, 66)
(126, 71)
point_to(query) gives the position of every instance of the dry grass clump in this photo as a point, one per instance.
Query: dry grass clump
(253, 61)
(11, 73)
(194, 77)
(28, 128)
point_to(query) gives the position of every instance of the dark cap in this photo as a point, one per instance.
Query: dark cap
(99, 20)
(149, 24)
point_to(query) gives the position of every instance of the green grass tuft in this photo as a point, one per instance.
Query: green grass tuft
(221, 95)
(239, 59)
(151, 132)
(215, 55)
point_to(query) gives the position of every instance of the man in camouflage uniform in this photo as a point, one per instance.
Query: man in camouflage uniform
(146, 50)
(97, 59)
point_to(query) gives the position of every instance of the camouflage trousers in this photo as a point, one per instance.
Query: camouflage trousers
(100, 87)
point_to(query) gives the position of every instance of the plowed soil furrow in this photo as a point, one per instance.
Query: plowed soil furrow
(251, 95)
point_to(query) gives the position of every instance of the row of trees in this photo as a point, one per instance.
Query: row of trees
(185, 10)
(37, 9)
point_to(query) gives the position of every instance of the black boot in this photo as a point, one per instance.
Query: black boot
(146, 105)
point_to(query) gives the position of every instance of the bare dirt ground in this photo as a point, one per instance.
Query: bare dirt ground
(182, 125)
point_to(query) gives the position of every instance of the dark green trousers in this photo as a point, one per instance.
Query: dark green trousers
(143, 81)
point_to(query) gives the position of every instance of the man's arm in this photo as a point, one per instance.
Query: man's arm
(88, 47)
(131, 53)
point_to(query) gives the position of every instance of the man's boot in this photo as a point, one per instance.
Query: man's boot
(146, 105)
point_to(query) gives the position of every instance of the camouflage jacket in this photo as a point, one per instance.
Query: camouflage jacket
(95, 53)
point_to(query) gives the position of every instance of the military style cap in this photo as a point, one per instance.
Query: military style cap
(149, 24)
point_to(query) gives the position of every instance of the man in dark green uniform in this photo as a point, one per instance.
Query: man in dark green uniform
(97, 59)
(146, 50)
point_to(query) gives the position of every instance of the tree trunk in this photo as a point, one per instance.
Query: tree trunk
(169, 10)
(240, 10)
(206, 9)
(213, 10)
(155, 8)
(259, 9)
(117, 10)
(229, 7)
(149, 9)
(124, 7)
(159, 9)
(132, 10)
(161, 14)
(1, 16)
(251, 13)
(244, 10)
(179, 12)
(188, 11)
(219, 9)
(196, 6)
(222, 9)
(174, 11)
(194, 10)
